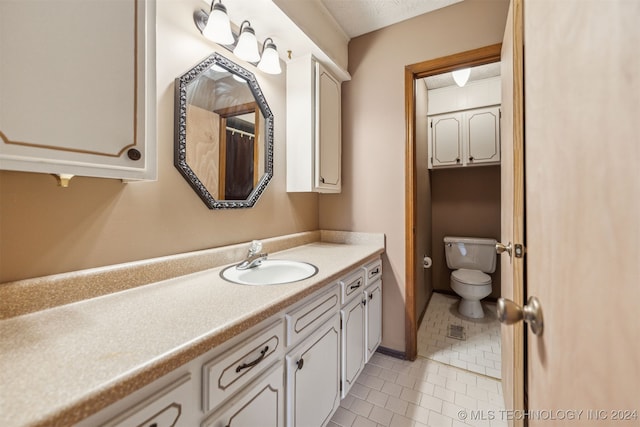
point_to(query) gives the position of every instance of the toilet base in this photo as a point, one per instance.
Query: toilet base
(471, 308)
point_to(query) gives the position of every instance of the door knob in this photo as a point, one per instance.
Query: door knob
(509, 312)
(501, 247)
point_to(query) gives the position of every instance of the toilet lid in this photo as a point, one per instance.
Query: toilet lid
(471, 277)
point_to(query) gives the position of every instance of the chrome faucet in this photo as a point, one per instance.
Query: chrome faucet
(254, 257)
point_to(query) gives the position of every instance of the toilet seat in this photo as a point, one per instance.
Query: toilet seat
(471, 277)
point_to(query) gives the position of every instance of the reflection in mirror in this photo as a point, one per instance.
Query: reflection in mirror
(224, 134)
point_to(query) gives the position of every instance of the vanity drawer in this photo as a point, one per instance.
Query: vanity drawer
(305, 319)
(166, 408)
(373, 271)
(225, 375)
(352, 284)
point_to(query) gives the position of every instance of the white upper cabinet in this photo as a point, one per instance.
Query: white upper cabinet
(465, 138)
(77, 88)
(314, 142)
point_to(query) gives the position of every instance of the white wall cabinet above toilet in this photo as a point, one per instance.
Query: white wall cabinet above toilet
(314, 144)
(465, 138)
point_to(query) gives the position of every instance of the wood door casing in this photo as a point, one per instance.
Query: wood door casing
(512, 206)
(471, 58)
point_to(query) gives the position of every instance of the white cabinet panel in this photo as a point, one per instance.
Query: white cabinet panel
(78, 94)
(314, 132)
(226, 374)
(260, 404)
(483, 140)
(168, 407)
(313, 377)
(305, 319)
(373, 334)
(465, 138)
(353, 341)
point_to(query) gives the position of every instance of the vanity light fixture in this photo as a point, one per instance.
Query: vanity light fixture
(270, 61)
(216, 27)
(461, 76)
(247, 47)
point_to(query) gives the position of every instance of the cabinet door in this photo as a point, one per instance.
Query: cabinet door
(78, 93)
(446, 140)
(483, 129)
(353, 341)
(313, 377)
(260, 404)
(328, 131)
(374, 317)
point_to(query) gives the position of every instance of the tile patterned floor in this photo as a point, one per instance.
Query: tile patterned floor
(479, 352)
(424, 393)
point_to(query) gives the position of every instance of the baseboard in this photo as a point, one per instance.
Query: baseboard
(393, 353)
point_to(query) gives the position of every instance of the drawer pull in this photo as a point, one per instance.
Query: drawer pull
(357, 285)
(255, 362)
(374, 272)
(300, 363)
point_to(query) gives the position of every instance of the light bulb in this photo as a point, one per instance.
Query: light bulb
(247, 47)
(461, 76)
(218, 28)
(270, 61)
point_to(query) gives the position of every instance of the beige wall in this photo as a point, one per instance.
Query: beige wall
(373, 132)
(46, 229)
(464, 202)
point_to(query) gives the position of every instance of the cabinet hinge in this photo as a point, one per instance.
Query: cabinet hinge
(340, 324)
(340, 384)
(431, 125)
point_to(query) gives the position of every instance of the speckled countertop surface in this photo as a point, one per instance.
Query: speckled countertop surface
(62, 364)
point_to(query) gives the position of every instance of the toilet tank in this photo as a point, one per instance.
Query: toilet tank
(471, 253)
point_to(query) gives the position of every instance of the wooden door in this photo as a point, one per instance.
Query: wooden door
(582, 86)
(512, 202)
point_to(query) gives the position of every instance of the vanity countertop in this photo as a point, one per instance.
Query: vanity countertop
(62, 364)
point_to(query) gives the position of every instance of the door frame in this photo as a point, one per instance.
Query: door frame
(413, 72)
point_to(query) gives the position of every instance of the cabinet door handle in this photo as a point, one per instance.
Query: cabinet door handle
(300, 363)
(370, 296)
(357, 285)
(471, 159)
(364, 301)
(457, 159)
(322, 180)
(263, 353)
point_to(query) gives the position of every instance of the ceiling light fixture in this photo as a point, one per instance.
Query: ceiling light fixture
(216, 27)
(461, 76)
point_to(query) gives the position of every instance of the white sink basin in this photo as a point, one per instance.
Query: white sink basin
(270, 272)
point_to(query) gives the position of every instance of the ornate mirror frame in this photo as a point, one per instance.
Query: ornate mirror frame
(180, 141)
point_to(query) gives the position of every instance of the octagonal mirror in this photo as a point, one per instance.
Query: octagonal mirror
(224, 133)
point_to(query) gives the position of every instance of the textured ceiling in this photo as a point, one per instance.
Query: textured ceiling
(358, 17)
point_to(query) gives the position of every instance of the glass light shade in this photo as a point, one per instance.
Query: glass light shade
(270, 61)
(461, 76)
(247, 47)
(218, 28)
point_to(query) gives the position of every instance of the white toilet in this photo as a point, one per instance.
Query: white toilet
(471, 258)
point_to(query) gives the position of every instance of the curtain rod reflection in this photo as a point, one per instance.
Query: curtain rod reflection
(241, 132)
